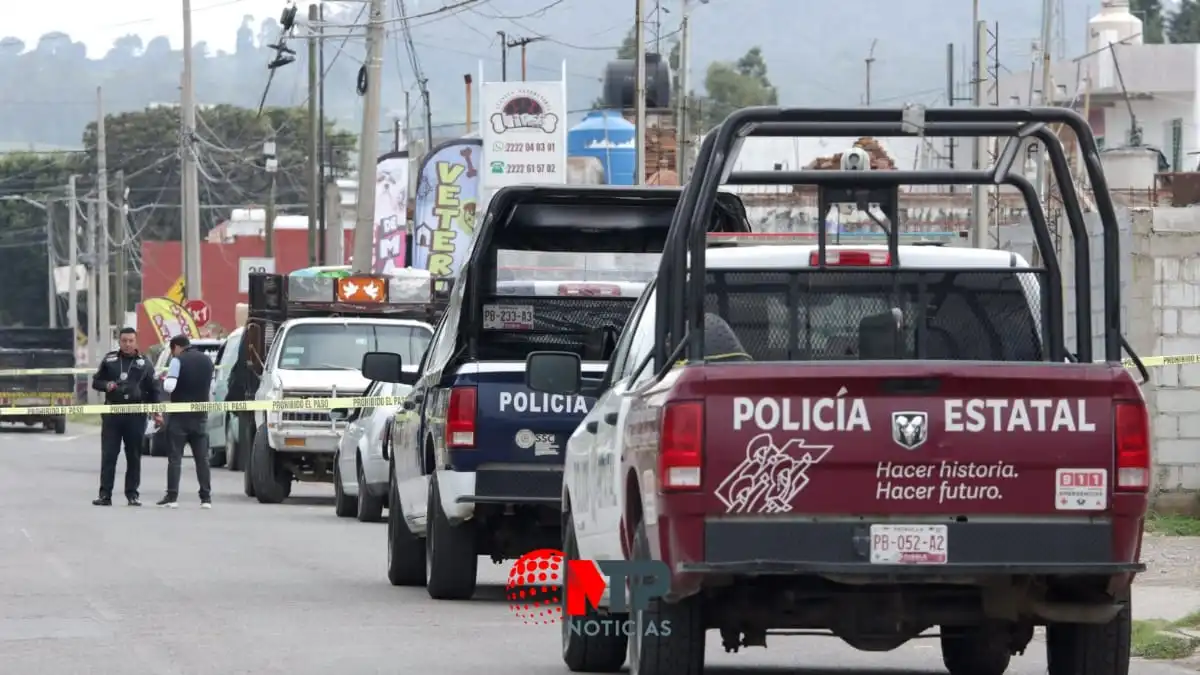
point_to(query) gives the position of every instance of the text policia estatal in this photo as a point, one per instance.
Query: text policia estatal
(944, 482)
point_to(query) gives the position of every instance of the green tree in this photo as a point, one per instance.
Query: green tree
(229, 147)
(1183, 25)
(734, 85)
(1151, 14)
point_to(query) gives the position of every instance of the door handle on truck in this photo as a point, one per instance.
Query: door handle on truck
(592, 426)
(611, 419)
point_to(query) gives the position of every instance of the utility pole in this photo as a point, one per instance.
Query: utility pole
(104, 305)
(368, 156)
(523, 43)
(191, 180)
(95, 349)
(503, 56)
(869, 61)
(683, 159)
(979, 212)
(428, 118)
(1043, 184)
(335, 244)
(271, 164)
(122, 283)
(314, 136)
(52, 295)
(72, 254)
(321, 131)
(639, 91)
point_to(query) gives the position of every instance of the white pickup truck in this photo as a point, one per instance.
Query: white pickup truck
(317, 357)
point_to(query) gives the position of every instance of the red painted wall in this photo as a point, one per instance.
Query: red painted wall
(162, 265)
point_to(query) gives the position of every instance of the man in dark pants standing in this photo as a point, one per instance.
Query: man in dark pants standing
(125, 376)
(189, 378)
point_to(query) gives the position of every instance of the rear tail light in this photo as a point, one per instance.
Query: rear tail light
(681, 446)
(1131, 441)
(460, 418)
(838, 257)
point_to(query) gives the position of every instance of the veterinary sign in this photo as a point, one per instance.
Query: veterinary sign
(524, 134)
(445, 208)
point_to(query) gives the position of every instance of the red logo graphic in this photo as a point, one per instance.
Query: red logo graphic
(534, 588)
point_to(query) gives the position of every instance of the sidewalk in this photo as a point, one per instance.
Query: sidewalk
(1168, 603)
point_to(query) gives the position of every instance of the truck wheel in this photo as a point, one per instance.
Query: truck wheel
(233, 460)
(451, 561)
(582, 653)
(406, 551)
(272, 483)
(1090, 649)
(344, 505)
(60, 425)
(158, 445)
(145, 446)
(247, 473)
(370, 507)
(656, 650)
(976, 650)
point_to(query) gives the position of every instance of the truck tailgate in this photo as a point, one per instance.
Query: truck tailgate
(895, 439)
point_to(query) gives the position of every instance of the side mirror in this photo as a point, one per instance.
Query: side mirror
(383, 367)
(554, 372)
(339, 414)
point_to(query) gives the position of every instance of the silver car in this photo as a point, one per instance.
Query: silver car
(360, 474)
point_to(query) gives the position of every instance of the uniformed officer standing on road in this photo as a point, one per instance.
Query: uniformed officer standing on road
(189, 378)
(125, 376)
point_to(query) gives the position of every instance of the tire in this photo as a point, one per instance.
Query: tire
(406, 551)
(60, 425)
(272, 484)
(679, 651)
(344, 505)
(976, 650)
(370, 507)
(451, 559)
(247, 473)
(158, 445)
(233, 459)
(582, 653)
(218, 459)
(1090, 649)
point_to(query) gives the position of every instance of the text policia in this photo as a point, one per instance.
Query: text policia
(230, 406)
(537, 593)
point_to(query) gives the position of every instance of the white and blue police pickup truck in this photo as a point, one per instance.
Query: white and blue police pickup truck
(477, 456)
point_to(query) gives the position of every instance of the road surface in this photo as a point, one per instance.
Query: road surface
(248, 588)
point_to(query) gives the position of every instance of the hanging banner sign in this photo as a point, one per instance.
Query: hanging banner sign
(391, 213)
(524, 133)
(169, 319)
(445, 208)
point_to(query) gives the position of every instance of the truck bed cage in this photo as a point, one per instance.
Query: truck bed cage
(676, 320)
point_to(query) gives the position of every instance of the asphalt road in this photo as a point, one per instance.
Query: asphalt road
(248, 588)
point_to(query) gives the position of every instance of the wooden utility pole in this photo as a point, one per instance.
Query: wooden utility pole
(522, 43)
(120, 302)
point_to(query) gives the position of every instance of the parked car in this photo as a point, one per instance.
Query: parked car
(223, 425)
(154, 443)
(360, 482)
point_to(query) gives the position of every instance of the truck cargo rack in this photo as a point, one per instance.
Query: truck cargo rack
(678, 328)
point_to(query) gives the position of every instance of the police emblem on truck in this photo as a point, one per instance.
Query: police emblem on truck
(910, 429)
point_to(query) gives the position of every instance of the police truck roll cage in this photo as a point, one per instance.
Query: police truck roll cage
(678, 324)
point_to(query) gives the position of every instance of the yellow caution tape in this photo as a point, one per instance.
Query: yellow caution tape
(46, 371)
(1155, 361)
(215, 406)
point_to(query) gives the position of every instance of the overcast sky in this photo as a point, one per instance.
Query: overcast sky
(97, 24)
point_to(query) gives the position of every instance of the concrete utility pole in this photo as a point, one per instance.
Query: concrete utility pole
(870, 60)
(271, 164)
(639, 91)
(122, 282)
(191, 180)
(52, 294)
(72, 254)
(335, 237)
(684, 148)
(368, 156)
(503, 55)
(95, 350)
(104, 305)
(979, 212)
(1047, 98)
(314, 134)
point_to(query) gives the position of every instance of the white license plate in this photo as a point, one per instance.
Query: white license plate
(507, 317)
(908, 544)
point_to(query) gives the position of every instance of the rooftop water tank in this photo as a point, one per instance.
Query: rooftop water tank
(1113, 25)
(609, 137)
(620, 78)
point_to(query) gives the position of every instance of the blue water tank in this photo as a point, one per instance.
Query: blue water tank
(609, 137)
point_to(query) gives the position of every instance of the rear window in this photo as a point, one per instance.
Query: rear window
(834, 315)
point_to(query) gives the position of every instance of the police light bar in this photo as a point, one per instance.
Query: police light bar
(404, 286)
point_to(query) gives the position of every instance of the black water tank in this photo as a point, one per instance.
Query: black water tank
(620, 78)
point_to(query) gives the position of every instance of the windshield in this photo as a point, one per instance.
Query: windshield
(331, 346)
(966, 315)
(573, 266)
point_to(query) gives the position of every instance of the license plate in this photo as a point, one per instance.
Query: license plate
(908, 544)
(507, 317)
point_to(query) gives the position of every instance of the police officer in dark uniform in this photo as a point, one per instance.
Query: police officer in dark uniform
(125, 376)
(189, 378)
